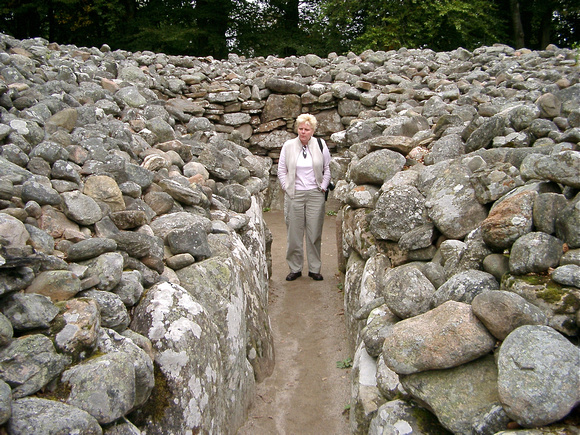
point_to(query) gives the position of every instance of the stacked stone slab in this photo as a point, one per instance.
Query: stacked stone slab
(134, 256)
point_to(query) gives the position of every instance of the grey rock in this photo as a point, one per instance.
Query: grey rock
(365, 397)
(168, 222)
(376, 167)
(191, 240)
(113, 312)
(5, 402)
(452, 204)
(76, 328)
(130, 288)
(65, 170)
(364, 196)
(537, 375)
(492, 421)
(418, 238)
(90, 248)
(502, 312)
(398, 211)
(138, 244)
(107, 268)
(103, 386)
(562, 167)
(157, 321)
(457, 396)
(535, 252)
(523, 116)
(81, 208)
(373, 334)
(13, 172)
(238, 196)
(398, 416)
(497, 265)
(162, 130)
(13, 231)
(6, 330)
(29, 311)
(41, 191)
(6, 188)
(40, 240)
(131, 97)
(362, 130)
(435, 273)
(446, 148)
(509, 219)
(29, 363)
(567, 224)
(493, 181)
(464, 287)
(423, 342)
(572, 256)
(43, 417)
(483, 135)
(388, 382)
(122, 427)
(112, 342)
(547, 208)
(285, 86)
(407, 292)
(58, 285)
(568, 275)
(181, 193)
(16, 280)
(49, 151)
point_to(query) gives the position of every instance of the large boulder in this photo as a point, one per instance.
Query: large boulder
(538, 375)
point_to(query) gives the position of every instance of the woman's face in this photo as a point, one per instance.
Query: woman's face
(305, 132)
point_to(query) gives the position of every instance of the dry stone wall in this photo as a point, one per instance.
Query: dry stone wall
(133, 245)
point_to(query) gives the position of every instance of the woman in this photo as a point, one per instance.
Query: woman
(304, 174)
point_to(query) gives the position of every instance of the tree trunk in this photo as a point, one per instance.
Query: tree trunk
(213, 20)
(545, 29)
(517, 24)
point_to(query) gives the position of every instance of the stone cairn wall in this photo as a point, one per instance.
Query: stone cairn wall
(134, 257)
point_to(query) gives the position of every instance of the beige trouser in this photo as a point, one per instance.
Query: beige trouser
(304, 215)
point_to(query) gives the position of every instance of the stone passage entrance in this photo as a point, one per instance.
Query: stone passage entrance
(307, 393)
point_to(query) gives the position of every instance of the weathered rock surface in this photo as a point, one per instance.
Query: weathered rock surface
(486, 210)
(130, 182)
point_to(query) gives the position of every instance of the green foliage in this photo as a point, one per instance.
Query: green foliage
(436, 24)
(345, 363)
(292, 27)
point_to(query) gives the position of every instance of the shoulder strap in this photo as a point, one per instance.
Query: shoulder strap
(320, 145)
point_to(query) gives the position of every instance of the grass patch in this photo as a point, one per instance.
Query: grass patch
(345, 363)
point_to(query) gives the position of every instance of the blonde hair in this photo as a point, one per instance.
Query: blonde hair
(306, 118)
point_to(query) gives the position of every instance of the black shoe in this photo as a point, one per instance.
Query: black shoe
(315, 276)
(293, 275)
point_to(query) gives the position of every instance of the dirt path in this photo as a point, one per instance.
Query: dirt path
(307, 393)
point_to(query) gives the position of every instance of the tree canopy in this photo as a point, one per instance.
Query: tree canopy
(293, 27)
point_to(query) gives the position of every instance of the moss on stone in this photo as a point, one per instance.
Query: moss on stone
(153, 411)
(551, 293)
(427, 422)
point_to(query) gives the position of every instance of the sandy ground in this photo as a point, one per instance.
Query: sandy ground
(307, 393)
